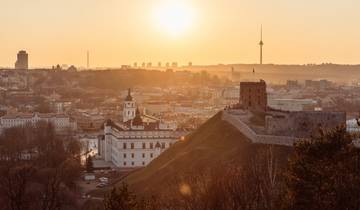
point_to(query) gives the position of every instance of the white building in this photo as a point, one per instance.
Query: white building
(60, 122)
(352, 126)
(138, 139)
(293, 105)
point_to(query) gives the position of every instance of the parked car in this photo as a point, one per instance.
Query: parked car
(100, 185)
(103, 179)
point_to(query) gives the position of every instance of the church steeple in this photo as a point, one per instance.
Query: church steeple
(129, 109)
(137, 121)
(129, 97)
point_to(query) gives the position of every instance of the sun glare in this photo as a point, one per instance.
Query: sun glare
(173, 17)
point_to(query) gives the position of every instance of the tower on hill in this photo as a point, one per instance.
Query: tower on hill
(253, 95)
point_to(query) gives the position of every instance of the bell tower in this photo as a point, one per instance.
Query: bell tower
(129, 109)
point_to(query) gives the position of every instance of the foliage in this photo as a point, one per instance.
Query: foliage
(324, 173)
(38, 168)
(120, 199)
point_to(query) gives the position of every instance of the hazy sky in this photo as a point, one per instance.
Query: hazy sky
(221, 31)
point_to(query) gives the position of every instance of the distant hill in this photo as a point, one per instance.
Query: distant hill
(215, 144)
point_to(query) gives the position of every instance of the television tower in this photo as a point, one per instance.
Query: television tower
(261, 43)
(88, 60)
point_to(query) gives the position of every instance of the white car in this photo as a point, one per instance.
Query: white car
(103, 179)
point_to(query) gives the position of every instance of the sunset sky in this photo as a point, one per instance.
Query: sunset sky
(118, 32)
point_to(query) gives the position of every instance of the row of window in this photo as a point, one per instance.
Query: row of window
(143, 155)
(151, 146)
(133, 163)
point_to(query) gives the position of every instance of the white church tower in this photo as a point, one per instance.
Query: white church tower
(129, 110)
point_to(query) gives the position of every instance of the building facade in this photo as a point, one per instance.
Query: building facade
(137, 140)
(62, 123)
(293, 104)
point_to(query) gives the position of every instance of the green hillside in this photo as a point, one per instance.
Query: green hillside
(215, 144)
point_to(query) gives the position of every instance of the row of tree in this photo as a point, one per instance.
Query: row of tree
(38, 169)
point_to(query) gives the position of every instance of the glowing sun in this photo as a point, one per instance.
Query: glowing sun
(173, 17)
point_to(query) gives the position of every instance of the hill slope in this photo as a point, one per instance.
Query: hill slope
(215, 144)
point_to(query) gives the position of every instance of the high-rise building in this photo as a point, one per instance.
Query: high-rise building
(88, 60)
(22, 60)
(174, 64)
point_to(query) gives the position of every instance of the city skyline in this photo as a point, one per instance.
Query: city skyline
(116, 33)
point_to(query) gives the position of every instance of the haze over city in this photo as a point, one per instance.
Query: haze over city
(205, 32)
(179, 105)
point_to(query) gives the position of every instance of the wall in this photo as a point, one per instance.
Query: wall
(254, 137)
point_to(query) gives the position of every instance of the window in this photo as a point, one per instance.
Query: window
(124, 155)
(132, 145)
(143, 163)
(143, 155)
(132, 163)
(151, 145)
(124, 145)
(132, 155)
(143, 145)
(124, 163)
(163, 145)
(151, 155)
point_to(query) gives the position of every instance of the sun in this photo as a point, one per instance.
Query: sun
(173, 17)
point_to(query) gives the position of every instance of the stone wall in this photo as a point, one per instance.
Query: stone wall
(253, 136)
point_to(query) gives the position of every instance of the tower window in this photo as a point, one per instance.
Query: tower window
(124, 155)
(132, 163)
(132, 145)
(143, 155)
(124, 163)
(124, 145)
(132, 155)
(143, 145)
